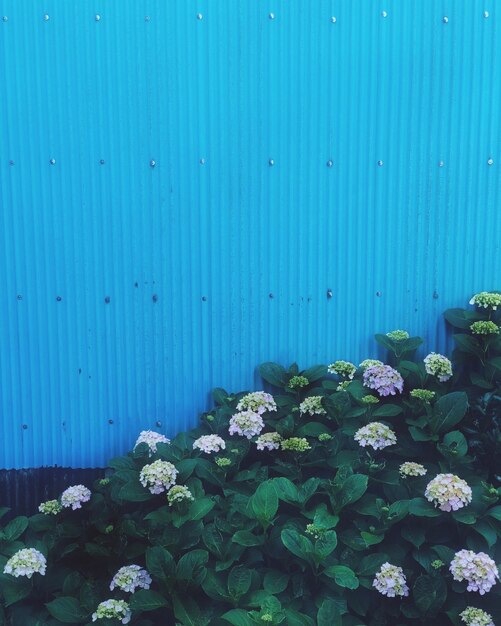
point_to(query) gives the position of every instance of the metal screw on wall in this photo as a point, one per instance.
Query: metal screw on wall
(46, 18)
(19, 297)
(152, 163)
(271, 162)
(333, 19)
(380, 163)
(330, 163)
(25, 426)
(158, 424)
(154, 297)
(52, 161)
(5, 18)
(329, 294)
(58, 298)
(490, 161)
(200, 16)
(97, 18)
(110, 421)
(11, 162)
(102, 162)
(107, 300)
(378, 294)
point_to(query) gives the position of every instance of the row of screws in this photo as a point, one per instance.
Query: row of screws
(271, 162)
(271, 16)
(157, 424)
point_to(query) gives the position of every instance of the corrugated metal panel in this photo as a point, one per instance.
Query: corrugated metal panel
(189, 251)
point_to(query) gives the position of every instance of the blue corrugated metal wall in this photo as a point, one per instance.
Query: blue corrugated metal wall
(182, 181)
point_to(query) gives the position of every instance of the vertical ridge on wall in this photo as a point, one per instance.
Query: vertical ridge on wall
(182, 184)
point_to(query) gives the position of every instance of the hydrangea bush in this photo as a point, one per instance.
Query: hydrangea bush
(341, 495)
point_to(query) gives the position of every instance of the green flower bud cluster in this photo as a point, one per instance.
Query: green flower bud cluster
(484, 328)
(437, 564)
(398, 335)
(223, 461)
(51, 507)
(487, 300)
(298, 382)
(296, 444)
(369, 399)
(422, 394)
(324, 437)
(315, 531)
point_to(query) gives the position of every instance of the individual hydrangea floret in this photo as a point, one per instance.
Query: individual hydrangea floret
(315, 531)
(484, 328)
(298, 382)
(343, 368)
(487, 299)
(425, 395)
(477, 568)
(75, 496)
(376, 435)
(26, 562)
(179, 493)
(209, 443)
(151, 439)
(158, 476)
(257, 402)
(51, 507)
(312, 406)
(390, 581)
(370, 399)
(412, 469)
(131, 577)
(476, 617)
(223, 461)
(448, 492)
(398, 335)
(113, 609)
(439, 366)
(268, 441)
(246, 424)
(370, 363)
(384, 379)
(325, 437)
(296, 444)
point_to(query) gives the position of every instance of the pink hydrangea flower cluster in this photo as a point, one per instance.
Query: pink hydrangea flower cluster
(477, 568)
(246, 424)
(209, 443)
(376, 435)
(158, 476)
(258, 402)
(151, 439)
(131, 577)
(448, 492)
(75, 496)
(384, 379)
(390, 581)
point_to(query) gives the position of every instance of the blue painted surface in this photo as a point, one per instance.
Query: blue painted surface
(212, 241)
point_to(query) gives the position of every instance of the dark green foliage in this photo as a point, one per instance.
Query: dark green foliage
(284, 537)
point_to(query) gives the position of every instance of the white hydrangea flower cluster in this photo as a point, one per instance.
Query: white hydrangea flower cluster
(312, 406)
(131, 577)
(370, 363)
(75, 496)
(486, 300)
(476, 617)
(412, 469)
(113, 609)
(209, 443)
(51, 507)
(246, 424)
(258, 402)
(151, 439)
(179, 493)
(268, 441)
(439, 366)
(477, 568)
(343, 368)
(390, 581)
(448, 492)
(26, 562)
(158, 476)
(376, 435)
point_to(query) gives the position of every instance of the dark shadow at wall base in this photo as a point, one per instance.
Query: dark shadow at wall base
(23, 490)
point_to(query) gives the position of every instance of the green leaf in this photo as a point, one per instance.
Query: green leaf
(325, 545)
(315, 373)
(495, 512)
(329, 614)
(220, 396)
(239, 581)
(67, 610)
(342, 575)
(265, 502)
(465, 517)
(461, 318)
(468, 344)
(147, 600)
(15, 589)
(122, 463)
(295, 618)
(160, 563)
(238, 617)
(297, 544)
(486, 530)
(429, 593)
(274, 374)
(352, 490)
(275, 582)
(188, 612)
(312, 429)
(449, 410)
(134, 492)
(422, 508)
(387, 410)
(15, 528)
(455, 444)
(370, 564)
(247, 539)
(191, 566)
